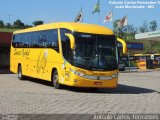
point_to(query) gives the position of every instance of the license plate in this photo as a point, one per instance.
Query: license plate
(98, 83)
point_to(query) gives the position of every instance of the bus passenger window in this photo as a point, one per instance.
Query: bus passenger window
(43, 39)
(52, 39)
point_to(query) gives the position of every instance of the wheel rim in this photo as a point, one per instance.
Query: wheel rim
(55, 80)
(19, 72)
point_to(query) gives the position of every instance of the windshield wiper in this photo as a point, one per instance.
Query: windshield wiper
(81, 65)
(91, 58)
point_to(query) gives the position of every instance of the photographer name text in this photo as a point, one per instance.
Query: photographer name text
(134, 4)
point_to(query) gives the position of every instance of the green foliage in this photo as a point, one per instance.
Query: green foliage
(28, 26)
(1, 24)
(7, 30)
(147, 50)
(8, 25)
(144, 27)
(153, 25)
(156, 47)
(128, 32)
(115, 24)
(18, 24)
(35, 23)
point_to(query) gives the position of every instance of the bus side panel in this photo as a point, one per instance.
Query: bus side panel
(15, 59)
(52, 60)
(30, 59)
(29, 63)
(36, 62)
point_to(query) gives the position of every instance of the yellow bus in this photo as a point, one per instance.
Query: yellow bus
(66, 53)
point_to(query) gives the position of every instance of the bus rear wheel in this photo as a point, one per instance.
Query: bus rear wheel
(20, 75)
(55, 80)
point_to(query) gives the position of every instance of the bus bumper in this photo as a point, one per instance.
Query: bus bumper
(78, 81)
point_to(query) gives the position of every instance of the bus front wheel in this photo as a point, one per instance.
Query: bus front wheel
(55, 80)
(20, 75)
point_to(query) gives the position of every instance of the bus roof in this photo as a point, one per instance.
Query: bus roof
(79, 27)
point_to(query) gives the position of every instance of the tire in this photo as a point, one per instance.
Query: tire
(20, 74)
(93, 89)
(123, 69)
(55, 80)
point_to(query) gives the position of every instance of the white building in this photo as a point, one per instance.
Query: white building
(149, 38)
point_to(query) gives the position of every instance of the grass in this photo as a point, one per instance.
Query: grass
(7, 30)
(156, 47)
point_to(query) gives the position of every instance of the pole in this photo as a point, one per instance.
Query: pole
(99, 18)
(99, 12)
(112, 19)
(129, 64)
(128, 47)
(82, 15)
(113, 30)
(9, 18)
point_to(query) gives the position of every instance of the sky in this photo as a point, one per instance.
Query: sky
(66, 10)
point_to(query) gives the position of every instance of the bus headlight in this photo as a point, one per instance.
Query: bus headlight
(115, 75)
(76, 72)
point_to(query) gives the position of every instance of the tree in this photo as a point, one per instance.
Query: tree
(153, 25)
(131, 29)
(35, 23)
(18, 24)
(8, 25)
(1, 24)
(144, 27)
(117, 30)
(28, 26)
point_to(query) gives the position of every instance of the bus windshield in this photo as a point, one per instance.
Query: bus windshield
(95, 52)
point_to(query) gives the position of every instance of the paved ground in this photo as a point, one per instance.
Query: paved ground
(138, 92)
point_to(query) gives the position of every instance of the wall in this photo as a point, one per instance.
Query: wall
(5, 41)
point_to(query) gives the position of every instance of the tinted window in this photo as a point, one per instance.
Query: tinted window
(65, 44)
(17, 41)
(40, 39)
(52, 39)
(35, 40)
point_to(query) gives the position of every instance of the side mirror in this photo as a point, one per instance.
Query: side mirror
(124, 45)
(72, 40)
